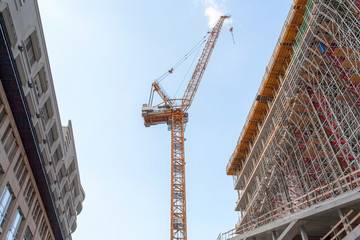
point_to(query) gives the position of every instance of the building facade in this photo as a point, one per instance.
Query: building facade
(297, 162)
(40, 189)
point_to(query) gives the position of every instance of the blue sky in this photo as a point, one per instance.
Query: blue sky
(104, 56)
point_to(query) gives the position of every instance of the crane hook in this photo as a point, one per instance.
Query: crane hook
(231, 30)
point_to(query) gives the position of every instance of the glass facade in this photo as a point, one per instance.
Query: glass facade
(14, 226)
(4, 204)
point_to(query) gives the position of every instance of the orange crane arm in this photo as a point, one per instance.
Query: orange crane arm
(157, 87)
(201, 65)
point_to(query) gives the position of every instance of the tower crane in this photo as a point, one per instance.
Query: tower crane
(174, 113)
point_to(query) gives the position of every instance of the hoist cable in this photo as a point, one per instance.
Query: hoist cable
(187, 72)
(192, 50)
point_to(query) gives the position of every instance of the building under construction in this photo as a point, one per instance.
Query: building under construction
(296, 165)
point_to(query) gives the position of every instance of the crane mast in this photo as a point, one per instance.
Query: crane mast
(176, 117)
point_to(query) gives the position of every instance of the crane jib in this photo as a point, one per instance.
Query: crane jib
(201, 66)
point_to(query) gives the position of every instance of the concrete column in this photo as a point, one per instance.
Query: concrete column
(303, 233)
(273, 235)
(346, 220)
(290, 231)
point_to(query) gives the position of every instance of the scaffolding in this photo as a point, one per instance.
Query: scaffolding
(300, 145)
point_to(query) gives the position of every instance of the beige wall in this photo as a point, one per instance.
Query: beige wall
(17, 175)
(56, 142)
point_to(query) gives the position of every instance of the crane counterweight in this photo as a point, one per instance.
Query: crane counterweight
(159, 115)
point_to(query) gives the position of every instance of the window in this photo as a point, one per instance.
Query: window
(2, 111)
(38, 89)
(62, 173)
(38, 217)
(29, 193)
(20, 170)
(47, 111)
(28, 235)
(37, 212)
(38, 134)
(57, 156)
(9, 24)
(21, 2)
(63, 192)
(5, 133)
(12, 234)
(43, 227)
(40, 83)
(2, 114)
(68, 210)
(9, 141)
(53, 135)
(32, 47)
(1, 171)
(21, 71)
(23, 176)
(31, 104)
(30, 51)
(12, 151)
(5, 200)
(10, 145)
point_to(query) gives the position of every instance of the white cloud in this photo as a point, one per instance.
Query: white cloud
(213, 10)
(213, 13)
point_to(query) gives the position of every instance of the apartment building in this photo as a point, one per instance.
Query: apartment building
(40, 189)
